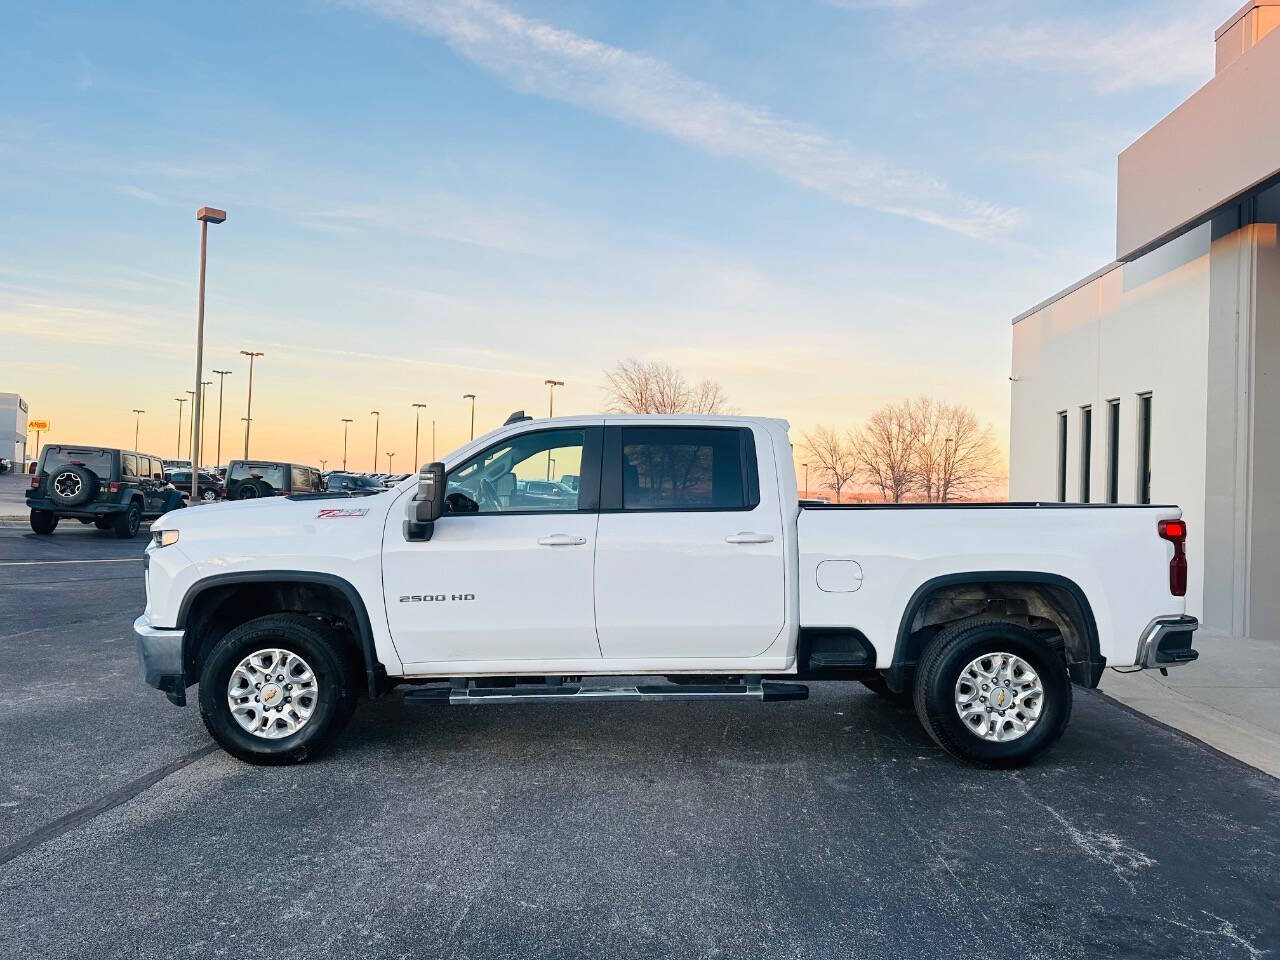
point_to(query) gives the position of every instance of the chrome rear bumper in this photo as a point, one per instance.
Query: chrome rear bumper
(1167, 643)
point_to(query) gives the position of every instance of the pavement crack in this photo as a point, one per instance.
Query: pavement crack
(1225, 929)
(77, 818)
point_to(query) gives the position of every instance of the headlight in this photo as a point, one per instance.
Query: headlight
(164, 538)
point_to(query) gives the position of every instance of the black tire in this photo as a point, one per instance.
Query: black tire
(249, 490)
(69, 485)
(950, 652)
(331, 662)
(876, 683)
(125, 523)
(43, 522)
(104, 522)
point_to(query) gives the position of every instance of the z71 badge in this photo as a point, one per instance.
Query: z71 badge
(338, 513)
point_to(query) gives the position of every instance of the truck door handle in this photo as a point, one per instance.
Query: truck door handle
(561, 540)
(748, 537)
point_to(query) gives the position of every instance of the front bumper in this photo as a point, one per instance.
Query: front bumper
(1167, 643)
(160, 652)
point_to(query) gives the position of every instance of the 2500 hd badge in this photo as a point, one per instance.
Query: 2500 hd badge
(436, 597)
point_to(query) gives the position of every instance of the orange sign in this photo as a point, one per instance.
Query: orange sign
(38, 425)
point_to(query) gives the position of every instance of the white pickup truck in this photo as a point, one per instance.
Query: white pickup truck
(665, 547)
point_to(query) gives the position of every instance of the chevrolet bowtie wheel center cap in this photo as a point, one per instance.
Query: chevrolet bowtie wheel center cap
(999, 697)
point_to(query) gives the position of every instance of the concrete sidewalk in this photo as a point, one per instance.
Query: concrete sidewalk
(1229, 698)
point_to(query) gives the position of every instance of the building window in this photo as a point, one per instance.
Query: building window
(1113, 451)
(1062, 456)
(1144, 448)
(1086, 451)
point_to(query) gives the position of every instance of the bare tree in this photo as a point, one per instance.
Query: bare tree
(955, 455)
(835, 457)
(654, 386)
(887, 451)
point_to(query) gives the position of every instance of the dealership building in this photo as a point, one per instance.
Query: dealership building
(1157, 378)
(13, 429)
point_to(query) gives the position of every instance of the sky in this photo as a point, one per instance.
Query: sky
(822, 204)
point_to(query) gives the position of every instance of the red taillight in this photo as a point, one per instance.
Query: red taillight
(1175, 531)
(35, 481)
(113, 487)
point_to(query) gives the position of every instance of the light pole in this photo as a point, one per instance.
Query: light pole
(806, 478)
(377, 423)
(248, 407)
(200, 432)
(181, 401)
(222, 382)
(417, 412)
(137, 422)
(389, 456)
(206, 216)
(472, 398)
(191, 428)
(346, 425)
(322, 463)
(551, 395)
(551, 412)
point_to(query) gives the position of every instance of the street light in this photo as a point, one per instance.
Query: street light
(248, 407)
(806, 478)
(472, 398)
(551, 395)
(181, 401)
(191, 428)
(377, 423)
(389, 456)
(417, 412)
(137, 420)
(206, 216)
(200, 432)
(322, 463)
(346, 425)
(222, 382)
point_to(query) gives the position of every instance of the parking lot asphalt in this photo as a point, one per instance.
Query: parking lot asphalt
(826, 828)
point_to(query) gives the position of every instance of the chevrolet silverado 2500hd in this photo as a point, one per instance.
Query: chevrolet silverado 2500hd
(668, 547)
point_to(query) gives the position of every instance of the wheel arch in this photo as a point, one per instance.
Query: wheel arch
(203, 610)
(1046, 596)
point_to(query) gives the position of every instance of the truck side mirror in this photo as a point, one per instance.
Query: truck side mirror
(427, 504)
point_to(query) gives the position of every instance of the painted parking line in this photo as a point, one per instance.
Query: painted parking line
(47, 563)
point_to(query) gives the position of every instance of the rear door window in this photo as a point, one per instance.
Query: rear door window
(128, 465)
(301, 477)
(685, 468)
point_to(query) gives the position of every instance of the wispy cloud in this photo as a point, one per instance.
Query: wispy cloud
(1112, 55)
(542, 60)
(875, 4)
(137, 193)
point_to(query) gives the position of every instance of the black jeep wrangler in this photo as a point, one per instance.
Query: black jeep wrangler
(113, 489)
(250, 479)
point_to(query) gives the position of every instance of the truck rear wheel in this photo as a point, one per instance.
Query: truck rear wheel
(991, 693)
(277, 690)
(125, 523)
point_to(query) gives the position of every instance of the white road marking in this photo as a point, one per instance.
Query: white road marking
(43, 563)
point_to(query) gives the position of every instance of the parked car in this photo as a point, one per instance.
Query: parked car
(251, 479)
(210, 486)
(353, 483)
(685, 554)
(113, 489)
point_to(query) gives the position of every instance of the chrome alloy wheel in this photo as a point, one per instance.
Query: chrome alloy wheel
(67, 485)
(272, 693)
(999, 697)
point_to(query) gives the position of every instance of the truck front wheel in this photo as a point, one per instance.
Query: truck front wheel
(992, 693)
(277, 690)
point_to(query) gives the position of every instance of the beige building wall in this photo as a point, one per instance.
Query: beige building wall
(1132, 329)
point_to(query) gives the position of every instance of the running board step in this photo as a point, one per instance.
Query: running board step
(766, 691)
(839, 660)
